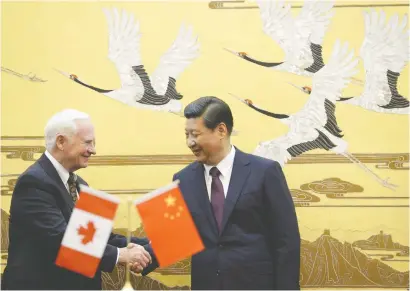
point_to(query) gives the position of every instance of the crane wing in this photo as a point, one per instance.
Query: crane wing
(293, 144)
(314, 19)
(328, 83)
(295, 36)
(311, 25)
(385, 52)
(278, 23)
(175, 60)
(124, 45)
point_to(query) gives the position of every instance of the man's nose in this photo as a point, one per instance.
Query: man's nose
(92, 150)
(190, 142)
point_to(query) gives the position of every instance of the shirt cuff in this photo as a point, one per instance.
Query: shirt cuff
(118, 255)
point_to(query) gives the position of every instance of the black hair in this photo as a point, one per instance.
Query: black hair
(213, 110)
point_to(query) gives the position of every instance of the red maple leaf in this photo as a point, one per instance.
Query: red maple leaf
(87, 233)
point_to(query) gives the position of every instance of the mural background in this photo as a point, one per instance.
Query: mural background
(355, 232)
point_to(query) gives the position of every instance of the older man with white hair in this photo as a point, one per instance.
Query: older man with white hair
(41, 206)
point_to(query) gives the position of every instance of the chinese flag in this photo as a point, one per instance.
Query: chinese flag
(169, 225)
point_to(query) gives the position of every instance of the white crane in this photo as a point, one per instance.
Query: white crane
(300, 37)
(385, 53)
(157, 92)
(315, 126)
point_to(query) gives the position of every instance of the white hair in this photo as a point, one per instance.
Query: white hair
(62, 123)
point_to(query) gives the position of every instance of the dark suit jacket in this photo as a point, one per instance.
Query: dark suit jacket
(40, 210)
(259, 246)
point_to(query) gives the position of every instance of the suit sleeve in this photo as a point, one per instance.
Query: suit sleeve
(37, 209)
(120, 241)
(151, 267)
(283, 225)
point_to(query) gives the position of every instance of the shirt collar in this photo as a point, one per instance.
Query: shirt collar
(62, 172)
(225, 165)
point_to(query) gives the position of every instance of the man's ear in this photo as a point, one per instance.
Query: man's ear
(60, 142)
(222, 130)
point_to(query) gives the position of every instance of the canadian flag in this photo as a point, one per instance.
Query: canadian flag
(87, 232)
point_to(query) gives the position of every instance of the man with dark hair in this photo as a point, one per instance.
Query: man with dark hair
(241, 206)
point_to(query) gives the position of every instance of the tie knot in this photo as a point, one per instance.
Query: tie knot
(214, 172)
(72, 178)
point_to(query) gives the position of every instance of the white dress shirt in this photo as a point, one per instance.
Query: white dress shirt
(64, 175)
(225, 167)
(62, 172)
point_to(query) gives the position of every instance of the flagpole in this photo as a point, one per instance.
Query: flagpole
(127, 285)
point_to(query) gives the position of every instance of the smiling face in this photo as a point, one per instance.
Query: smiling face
(205, 143)
(77, 147)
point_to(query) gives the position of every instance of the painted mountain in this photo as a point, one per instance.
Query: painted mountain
(382, 241)
(327, 262)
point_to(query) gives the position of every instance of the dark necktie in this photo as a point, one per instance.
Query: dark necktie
(72, 186)
(217, 196)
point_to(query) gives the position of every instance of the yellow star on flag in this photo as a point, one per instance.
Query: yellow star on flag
(170, 200)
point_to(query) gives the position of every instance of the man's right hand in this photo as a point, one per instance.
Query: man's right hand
(136, 256)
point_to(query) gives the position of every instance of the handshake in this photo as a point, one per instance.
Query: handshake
(136, 256)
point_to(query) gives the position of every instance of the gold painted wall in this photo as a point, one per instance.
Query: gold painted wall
(344, 215)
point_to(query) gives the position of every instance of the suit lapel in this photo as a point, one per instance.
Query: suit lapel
(52, 173)
(203, 199)
(240, 173)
